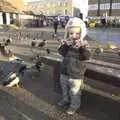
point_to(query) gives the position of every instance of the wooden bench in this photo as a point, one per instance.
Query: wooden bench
(101, 77)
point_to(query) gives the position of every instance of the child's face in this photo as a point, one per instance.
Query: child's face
(74, 34)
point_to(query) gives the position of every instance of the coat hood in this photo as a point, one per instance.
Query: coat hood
(76, 23)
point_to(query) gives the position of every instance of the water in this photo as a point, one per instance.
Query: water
(105, 35)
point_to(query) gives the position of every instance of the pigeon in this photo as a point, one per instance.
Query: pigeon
(34, 38)
(42, 44)
(48, 51)
(33, 44)
(5, 51)
(38, 65)
(99, 51)
(119, 53)
(8, 41)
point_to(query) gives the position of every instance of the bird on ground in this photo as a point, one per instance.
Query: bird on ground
(8, 41)
(5, 51)
(48, 51)
(38, 66)
(42, 44)
(119, 53)
(33, 44)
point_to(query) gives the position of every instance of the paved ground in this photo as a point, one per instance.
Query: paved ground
(37, 99)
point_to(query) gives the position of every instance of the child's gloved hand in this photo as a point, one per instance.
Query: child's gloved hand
(63, 49)
(77, 43)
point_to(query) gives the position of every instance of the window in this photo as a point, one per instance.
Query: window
(66, 4)
(48, 5)
(93, 7)
(58, 3)
(115, 5)
(66, 12)
(105, 6)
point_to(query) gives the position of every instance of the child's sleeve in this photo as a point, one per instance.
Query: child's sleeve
(63, 49)
(85, 51)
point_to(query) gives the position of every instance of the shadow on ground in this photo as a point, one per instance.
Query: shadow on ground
(13, 109)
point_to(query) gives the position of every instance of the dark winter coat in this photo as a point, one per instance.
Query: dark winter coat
(74, 60)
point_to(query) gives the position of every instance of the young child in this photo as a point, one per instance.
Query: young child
(74, 51)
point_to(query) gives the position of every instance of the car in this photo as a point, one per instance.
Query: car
(92, 23)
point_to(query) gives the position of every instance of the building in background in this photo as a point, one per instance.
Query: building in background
(9, 10)
(13, 9)
(18, 4)
(80, 8)
(104, 7)
(60, 7)
(51, 7)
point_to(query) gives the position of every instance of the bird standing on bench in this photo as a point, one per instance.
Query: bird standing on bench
(98, 51)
